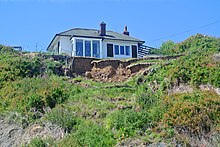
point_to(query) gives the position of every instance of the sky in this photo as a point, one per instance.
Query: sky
(33, 23)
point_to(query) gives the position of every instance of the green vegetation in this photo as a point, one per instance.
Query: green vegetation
(89, 134)
(102, 114)
(37, 142)
(126, 122)
(62, 117)
(196, 113)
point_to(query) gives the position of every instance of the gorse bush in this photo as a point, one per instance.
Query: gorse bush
(16, 65)
(195, 44)
(167, 48)
(34, 94)
(196, 67)
(196, 113)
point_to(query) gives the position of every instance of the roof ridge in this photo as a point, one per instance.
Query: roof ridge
(77, 29)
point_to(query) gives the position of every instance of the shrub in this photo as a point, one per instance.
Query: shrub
(57, 96)
(90, 134)
(125, 122)
(37, 142)
(195, 113)
(146, 97)
(32, 96)
(34, 101)
(63, 117)
(7, 49)
(53, 67)
(167, 48)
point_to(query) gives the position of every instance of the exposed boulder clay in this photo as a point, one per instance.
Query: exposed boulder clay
(109, 74)
(12, 134)
(118, 73)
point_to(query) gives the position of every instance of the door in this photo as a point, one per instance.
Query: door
(134, 51)
(109, 50)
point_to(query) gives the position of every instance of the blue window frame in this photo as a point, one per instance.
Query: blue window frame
(127, 50)
(96, 48)
(88, 48)
(79, 47)
(122, 50)
(116, 49)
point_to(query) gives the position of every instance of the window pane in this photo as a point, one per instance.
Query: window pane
(96, 49)
(116, 50)
(79, 47)
(88, 48)
(127, 50)
(122, 50)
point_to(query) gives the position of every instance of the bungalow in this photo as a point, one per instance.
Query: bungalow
(95, 43)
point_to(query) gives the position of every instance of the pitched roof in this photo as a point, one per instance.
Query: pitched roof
(93, 33)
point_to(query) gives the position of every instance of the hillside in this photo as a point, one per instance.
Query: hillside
(173, 103)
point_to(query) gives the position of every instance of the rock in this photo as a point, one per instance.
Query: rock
(209, 87)
(88, 74)
(182, 88)
(216, 57)
(12, 134)
(9, 134)
(45, 130)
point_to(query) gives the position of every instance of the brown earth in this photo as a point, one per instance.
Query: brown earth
(109, 74)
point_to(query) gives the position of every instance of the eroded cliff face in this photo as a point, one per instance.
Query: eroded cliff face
(12, 134)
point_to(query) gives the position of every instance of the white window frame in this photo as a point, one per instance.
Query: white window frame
(87, 39)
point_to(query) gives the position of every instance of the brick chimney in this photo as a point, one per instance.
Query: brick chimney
(102, 29)
(126, 31)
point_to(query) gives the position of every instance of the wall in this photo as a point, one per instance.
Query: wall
(65, 45)
(117, 42)
(80, 65)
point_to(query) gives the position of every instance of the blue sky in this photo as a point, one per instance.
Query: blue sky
(33, 23)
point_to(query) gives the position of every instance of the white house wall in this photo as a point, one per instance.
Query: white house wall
(68, 46)
(65, 45)
(120, 43)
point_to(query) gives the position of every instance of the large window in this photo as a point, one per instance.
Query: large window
(96, 48)
(116, 49)
(79, 47)
(127, 50)
(122, 50)
(88, 48)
